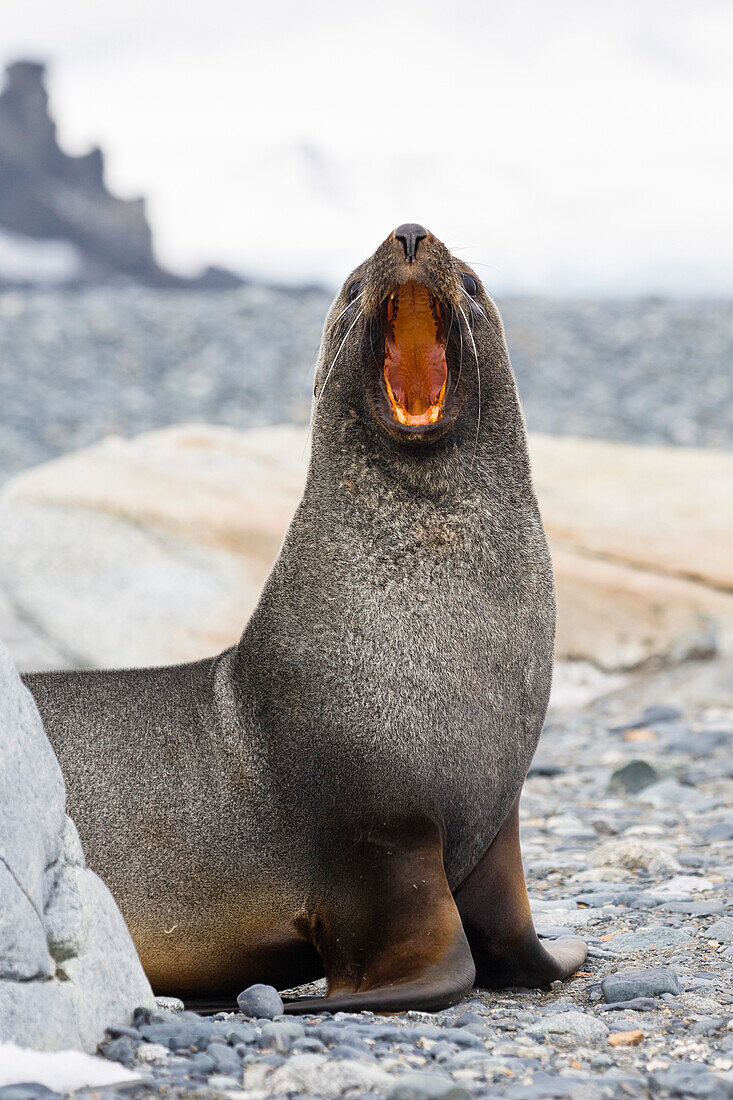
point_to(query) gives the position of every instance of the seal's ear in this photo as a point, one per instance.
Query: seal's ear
(390, 937)
(495, 911)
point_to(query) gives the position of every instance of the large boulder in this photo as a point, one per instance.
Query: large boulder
(155, 549)
(68, 967)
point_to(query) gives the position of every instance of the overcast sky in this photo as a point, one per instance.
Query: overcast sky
(574, 146)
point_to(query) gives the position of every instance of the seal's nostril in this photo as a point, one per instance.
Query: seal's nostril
(410, 234)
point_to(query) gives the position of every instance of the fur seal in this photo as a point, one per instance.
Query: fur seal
(338, 793)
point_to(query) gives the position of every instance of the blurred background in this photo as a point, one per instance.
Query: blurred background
(184, 185)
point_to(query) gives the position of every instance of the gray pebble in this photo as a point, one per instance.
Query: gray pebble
(426, 1086)
(657, 936)
(308, 1045)
(260, 1002)
(28, 1092)
(693, 908)
(120, 1050)
(721, 930)
(281, 1035)
(225, 1059)
(633, 777)
(630, 984)
(203, 1063)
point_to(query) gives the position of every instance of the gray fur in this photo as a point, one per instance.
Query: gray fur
(398, 662)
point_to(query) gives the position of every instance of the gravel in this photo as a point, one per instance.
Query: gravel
(77, 366)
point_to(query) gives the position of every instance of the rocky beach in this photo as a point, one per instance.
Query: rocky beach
(79, 365)
(627, 814)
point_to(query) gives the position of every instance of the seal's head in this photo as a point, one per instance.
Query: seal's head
(408, 344)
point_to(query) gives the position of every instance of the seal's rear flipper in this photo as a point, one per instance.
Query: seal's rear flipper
(495, 911)
(388, 930)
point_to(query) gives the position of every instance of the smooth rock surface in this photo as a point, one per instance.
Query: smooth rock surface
(131, 525)
(68, 967)
(260, 1001)
(629, 984)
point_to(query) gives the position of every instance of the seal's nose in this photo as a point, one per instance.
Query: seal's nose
(410, 234)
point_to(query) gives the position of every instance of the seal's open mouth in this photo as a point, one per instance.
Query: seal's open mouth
(415, 366)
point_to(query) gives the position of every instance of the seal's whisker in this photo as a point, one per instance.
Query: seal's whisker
(478, 381)
(317, 401)
(333, 362)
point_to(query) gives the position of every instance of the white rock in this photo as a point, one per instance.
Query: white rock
(63, 1071)
(669, 794)
(681, 886)
(315, 1075)
(634, 854)
(68, 967)
(572, 1028)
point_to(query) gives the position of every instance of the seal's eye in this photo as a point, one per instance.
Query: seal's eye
(470, 285)
(354, 290)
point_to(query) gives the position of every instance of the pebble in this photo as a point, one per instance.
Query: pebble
(633, 777)
(261, 1002)
(426, 1086)
(27, 1092)
(573, 1027)
(668, 794)
(658, 936)
(721, 930)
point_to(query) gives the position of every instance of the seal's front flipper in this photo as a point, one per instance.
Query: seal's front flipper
(496, 916)
(388, 930)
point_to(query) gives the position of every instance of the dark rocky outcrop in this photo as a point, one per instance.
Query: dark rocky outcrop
(48, 195)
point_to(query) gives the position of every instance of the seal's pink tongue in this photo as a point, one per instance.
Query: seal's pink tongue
(415, 367)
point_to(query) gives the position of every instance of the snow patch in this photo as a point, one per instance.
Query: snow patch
(61, 1070)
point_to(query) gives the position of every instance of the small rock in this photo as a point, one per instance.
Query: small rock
(626, 1038)
(659, 713)
(629, 985)
(671, 795)
(721, 930)
(225, 1059)
(635, 854)
(426, 1086)
(280, 1036)
(709, 1025)
(170, 1004)
(152, 1054)
(572, 1027)
(260, 1002)
(633, 777)
(692, 908)
(28, 1092)
(657, 936)
(721, 830)
(120, 1050)
(636, 1004)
